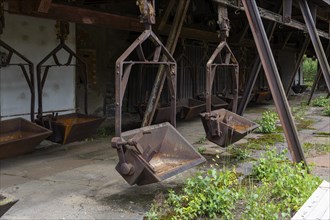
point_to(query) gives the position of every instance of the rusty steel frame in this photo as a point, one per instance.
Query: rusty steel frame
(122, 73)
(211, 66)
(123, 69)
(29, 77)
(306, 12)
(274, 81)
(161, 75)
(42, 75)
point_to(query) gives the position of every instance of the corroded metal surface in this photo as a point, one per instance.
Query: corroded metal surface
(72, 127)
(19, 136)
(223, 127)
(155, 153)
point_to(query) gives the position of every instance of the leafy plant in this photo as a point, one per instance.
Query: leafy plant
(282, 183)
(240, 153)
(201, 140)
(277, 189)
(201, 150)
(309, 70)
(326, 110)
(321, 101)
(268, 122)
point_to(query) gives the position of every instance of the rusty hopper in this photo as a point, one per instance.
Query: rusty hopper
(191, 108)
(6, 202)
(19, 136)
(155, 153)
(223, 127)
(73, 127)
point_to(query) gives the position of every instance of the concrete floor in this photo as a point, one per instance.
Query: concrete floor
(79, 181)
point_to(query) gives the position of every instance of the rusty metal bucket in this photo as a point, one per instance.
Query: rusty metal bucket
(6, 202)
(191, 108)
(160, 152)
(19, 136)
(73, 127)
(162, 113)
(223, 127)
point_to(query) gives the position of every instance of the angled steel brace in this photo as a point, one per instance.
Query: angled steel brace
(315, 40)
(274, 81)
(317, 78)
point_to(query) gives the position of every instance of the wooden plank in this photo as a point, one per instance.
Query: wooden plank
(317, 206)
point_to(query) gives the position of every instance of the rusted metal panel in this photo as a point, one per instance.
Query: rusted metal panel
(72, 127)
(155, 153)
(223, 127)
(19, 136)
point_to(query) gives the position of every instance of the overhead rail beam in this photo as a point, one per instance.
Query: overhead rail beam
(269, 15)
(274, 81)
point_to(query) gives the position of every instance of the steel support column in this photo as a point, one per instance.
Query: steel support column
(274, 81)
(160, 78)
(316, 41)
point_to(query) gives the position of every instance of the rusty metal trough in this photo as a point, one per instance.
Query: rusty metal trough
(155, 153)
(72, 127)
(223, 127)
(162, 113)
(191, 108)
(19, 136)
(6, 202)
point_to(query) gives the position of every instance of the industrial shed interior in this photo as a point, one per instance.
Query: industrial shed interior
(71, 67)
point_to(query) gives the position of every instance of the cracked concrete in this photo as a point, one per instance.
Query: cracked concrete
(79, 181)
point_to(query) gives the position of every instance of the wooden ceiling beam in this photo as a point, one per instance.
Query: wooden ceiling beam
(93, 17)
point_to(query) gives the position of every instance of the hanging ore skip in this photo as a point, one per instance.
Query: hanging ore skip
(152, 153)
(223, 127)
(18, 135)
(72, 127)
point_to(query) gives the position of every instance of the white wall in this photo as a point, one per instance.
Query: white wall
(35, 38)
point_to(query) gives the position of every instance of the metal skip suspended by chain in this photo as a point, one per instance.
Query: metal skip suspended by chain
(153, 153)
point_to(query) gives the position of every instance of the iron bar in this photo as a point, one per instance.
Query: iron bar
(316, 41)
(161, 75)
(274, 81)
(317, 78)
(254, 74)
